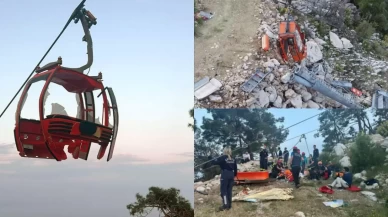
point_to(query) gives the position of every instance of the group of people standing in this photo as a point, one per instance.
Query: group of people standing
(297, 162)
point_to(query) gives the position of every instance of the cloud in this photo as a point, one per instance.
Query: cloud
(185, 154)
(9, 154)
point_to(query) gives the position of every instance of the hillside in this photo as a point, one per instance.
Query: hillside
(341, 45)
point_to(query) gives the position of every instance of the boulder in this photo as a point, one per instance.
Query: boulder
(339, 149)
(376, 138)
(345, 162)
(314, 53)
(346, 43)
(335, 40)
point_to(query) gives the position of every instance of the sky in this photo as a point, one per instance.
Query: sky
(291, 117)
(145, 50)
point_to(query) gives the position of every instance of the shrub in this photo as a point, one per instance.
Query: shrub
(348, 17)
(365, 154)
(383, 129)
(365, 30)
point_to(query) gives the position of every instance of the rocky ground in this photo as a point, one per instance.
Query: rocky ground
(307, 202)
(229, 50)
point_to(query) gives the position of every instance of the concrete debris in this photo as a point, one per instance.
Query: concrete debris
(215, 98)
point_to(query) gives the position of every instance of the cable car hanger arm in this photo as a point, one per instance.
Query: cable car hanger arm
(87, 20)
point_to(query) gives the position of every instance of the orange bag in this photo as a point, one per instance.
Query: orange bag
(265, 42)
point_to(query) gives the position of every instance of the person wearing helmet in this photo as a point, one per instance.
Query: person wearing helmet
(304, 162)
(228, 167)
(296, 160)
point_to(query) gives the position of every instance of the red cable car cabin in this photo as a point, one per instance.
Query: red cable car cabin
(47, 137)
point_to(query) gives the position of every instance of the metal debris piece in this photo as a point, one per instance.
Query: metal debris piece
(380, 99)
(303, 76)
(253, 81)
(205, 15)
(205, 89)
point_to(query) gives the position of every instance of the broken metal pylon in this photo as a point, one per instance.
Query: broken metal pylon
(303, 76)
(380, 99)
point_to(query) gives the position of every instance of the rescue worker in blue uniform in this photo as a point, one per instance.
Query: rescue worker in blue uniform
(228, 167)
(296, 161)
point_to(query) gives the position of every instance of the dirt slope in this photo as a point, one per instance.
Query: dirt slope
(307, 200)
(228, 34)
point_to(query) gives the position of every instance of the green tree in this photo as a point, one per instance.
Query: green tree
(381, 115)
(192, 125)
(244, 128)
(376, 12)
(167, 201)
(365, 154)
(382, 129)
(336, 125)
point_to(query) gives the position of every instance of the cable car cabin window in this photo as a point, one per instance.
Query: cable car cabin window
(100, 115)
(30, 104)
(60, 102)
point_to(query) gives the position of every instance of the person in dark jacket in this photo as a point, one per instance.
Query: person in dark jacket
(280, 154)
(330, 168)
(315, 153)
(285, 157)
(228, 167)
(277, 169)
(264, 158)
(296, 161)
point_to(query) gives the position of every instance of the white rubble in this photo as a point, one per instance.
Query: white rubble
(215, 98)
(359, 176)
(369, 195)
(372, 187)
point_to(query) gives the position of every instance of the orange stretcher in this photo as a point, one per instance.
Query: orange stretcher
(251, 177)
